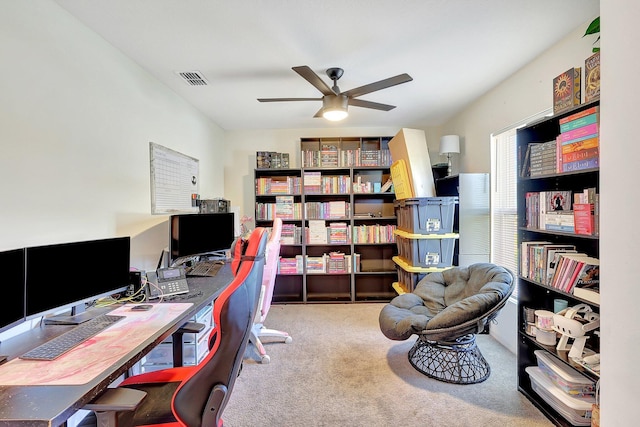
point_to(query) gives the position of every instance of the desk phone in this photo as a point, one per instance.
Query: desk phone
(170, 281)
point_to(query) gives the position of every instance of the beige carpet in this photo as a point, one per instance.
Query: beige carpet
(341, 371)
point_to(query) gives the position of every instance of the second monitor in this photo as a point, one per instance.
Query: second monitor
(200, 234)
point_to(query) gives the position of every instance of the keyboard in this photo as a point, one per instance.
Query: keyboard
(67, 341)
(204, 268)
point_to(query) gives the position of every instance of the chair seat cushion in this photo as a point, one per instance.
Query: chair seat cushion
(447, 299)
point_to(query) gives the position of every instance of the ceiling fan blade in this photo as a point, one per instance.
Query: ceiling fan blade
(318, 114)
(287, 99)
(308, 74)
(382, 84)
(369, 104)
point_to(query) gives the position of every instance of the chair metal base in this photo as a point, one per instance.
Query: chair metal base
(258, 330)
(457, 362)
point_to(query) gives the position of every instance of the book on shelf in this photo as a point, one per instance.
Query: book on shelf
(592, 77)
(574, 156)
(583, 218)
(524, 255)
(386, 186)
(579, 134)
(284, 161)
(583, 164)
(526, 164)
(583, 144)
(316, 264)
(558, 221)
(579, 122)
(317, 232)
(285, 207)
(591, 110)
(312, 182)
(589, 294)
(263, 159)
(596, 215)
(558, 200)
(566, 90)
(587, 275)
(567, 269)
(552, 256)
(329, 157)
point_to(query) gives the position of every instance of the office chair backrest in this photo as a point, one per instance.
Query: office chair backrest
(200, 400)
(270, 269)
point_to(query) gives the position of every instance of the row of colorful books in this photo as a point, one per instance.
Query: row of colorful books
(564, 211)
(331, 158)
(316, 183)
(335, 209)
(579, 141)
(332, 263)
(577, 147)
(338, 233)
(278, 185)
(269, 211)
(560, 266)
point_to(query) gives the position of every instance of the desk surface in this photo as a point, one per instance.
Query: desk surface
(50, 405)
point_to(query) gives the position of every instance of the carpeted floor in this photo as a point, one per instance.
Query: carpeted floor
(341, 371)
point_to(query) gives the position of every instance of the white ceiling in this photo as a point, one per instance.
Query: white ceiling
(455, 50)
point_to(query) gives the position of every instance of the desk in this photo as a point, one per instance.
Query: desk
(52, 405)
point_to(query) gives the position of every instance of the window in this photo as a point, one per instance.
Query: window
(504, 212)
(504, 204)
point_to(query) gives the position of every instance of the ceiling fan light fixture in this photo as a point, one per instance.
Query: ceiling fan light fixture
(334, 108)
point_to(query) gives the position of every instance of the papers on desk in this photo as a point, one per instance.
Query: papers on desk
(93, 358)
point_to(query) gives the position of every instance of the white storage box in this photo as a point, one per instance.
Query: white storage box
(577, 410)
(564, 377)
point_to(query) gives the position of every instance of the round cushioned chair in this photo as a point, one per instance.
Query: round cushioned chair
(446, 310)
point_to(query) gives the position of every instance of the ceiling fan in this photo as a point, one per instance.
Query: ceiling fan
(335, 102)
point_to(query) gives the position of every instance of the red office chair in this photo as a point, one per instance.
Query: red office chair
(195, 396)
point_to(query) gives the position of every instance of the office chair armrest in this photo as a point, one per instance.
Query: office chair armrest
(107, 405)
(117, 399)
(190, 328)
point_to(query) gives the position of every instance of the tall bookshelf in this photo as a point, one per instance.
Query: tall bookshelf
(336, 193)
(537, 294)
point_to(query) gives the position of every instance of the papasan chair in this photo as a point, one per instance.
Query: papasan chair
(446, 310)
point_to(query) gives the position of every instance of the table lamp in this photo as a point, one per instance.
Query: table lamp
(449, 144)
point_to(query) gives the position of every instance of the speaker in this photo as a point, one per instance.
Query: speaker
(135, 288)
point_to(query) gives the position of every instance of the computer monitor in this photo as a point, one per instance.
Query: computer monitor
(200, 234)
(71, 274)
(12, 288)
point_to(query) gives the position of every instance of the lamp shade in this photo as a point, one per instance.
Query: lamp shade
(449, 144)
(334, 108)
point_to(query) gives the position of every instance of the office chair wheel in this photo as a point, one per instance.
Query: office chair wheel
(288, 340)
(265, 359)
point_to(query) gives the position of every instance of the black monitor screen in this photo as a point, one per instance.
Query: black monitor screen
(12, 288)
(67, 275)
(196, 234)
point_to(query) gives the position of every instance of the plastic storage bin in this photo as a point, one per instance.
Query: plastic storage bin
(408, 279)
(426, 215)
(575, 409)
(435, 250)
(564, 377)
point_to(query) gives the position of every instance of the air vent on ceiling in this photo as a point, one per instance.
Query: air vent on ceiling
(193, 78)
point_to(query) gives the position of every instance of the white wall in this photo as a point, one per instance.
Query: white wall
(76, 119)
(620, 204)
